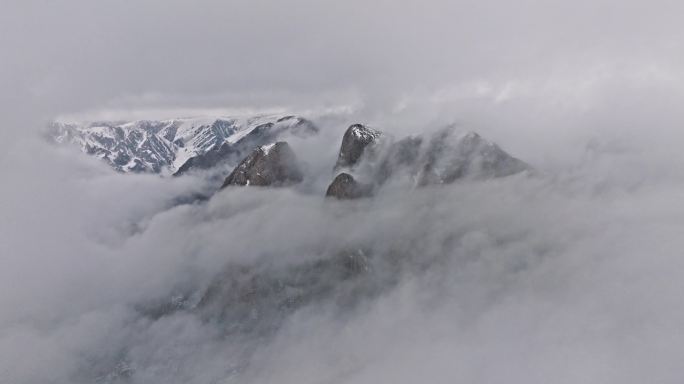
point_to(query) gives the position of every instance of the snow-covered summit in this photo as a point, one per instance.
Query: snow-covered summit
(364, 132)
(163, 146)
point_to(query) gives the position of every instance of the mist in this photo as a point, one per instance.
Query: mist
(571, 275)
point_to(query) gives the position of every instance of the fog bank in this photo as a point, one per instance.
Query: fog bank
(573, 275)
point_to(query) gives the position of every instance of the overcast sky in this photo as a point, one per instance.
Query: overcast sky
(73, 56)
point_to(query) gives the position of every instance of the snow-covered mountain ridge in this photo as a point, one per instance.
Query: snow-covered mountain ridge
(163, 146)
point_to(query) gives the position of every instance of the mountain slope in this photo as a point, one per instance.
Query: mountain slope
(165, 146)
(370, 158)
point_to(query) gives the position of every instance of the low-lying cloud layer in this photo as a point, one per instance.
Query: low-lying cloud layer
(573, 275)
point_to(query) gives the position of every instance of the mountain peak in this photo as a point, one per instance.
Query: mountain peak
(439, 158)
(345, 187)
(268, 165)
(354, 142)
(165, 146)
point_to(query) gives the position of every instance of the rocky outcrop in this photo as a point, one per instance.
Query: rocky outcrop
(354, 143)
(269, 165)
(440, 158)
(345, 187)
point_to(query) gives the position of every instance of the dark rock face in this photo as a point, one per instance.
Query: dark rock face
(354, 143)
(261, 135)
(345, 187)
(269, 165)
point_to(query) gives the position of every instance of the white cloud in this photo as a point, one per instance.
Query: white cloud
(570, 277)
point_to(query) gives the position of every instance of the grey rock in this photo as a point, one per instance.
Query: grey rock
(354, 143)
(344, 187)
(441, 158)
(269, 165)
